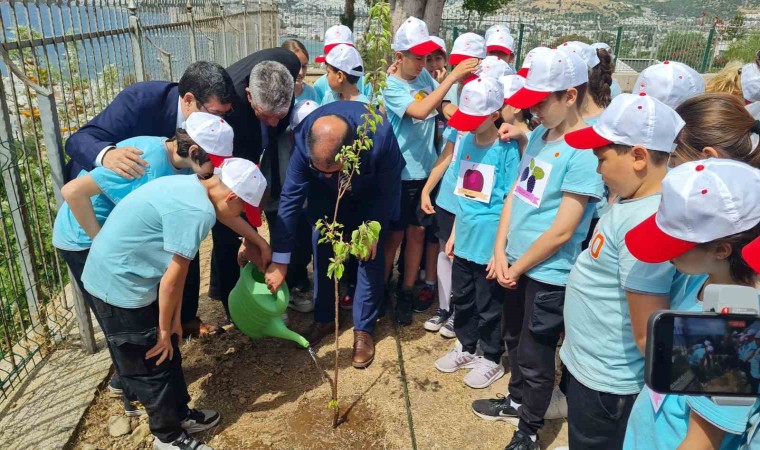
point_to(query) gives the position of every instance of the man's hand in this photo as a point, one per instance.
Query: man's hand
(163, 348)
(426, 204)
(126, 162)
(465, 69)
(275, 276)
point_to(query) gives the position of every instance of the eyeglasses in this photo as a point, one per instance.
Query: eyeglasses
(203, 108)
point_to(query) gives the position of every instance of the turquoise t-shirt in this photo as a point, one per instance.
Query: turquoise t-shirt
(332, 96)
(446, 198)
(484, 177)
(751, 437)
(666, 427)
(415, 137)
(169, 216)
(69, 235)
(547, 171)
(309, 93)
(321, 88)
(600, 350)
(615, 89)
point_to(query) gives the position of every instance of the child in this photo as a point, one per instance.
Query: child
(411, 99)
(670, 82)
(751, 86)
(344, 70)
(435, 62)
(336, 35)
(501, 44)
(528, 61)
(302, 90)
(544, 219)
(610, 295)
(500, 27)
(150, 238)
(493, 67)
(599, 79)
(615, 86)
(706, 219)
(486, 168)
(519, 118)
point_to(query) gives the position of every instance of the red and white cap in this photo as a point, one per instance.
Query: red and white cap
(511, 84)
(212, 133)
(336, 34)
(500, 41)
(478, 100)
(503, 28)
(494, 67)
(751, 82)
(246, 181)
(631, 120)
(605, 47)
(582, 49)
(347, 59)
(551, 71)
(702, 201)
(466, 46)
(413, 36)
(440, 43)
(300, 111)
(523, 72)
(670, 82)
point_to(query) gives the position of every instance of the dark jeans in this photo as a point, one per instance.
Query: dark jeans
(162, 389)
(478, 304)
(532, 322)
(596, 420)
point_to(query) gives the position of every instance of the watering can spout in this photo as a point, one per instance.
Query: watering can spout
(257, 312)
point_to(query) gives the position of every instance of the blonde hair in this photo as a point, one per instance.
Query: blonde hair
(728, 80)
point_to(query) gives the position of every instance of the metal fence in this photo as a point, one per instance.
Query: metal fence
(61, 62)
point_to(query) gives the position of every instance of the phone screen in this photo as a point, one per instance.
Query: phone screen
(715, 354)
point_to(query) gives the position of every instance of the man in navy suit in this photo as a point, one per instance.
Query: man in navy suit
(313, 176)
(153, 108)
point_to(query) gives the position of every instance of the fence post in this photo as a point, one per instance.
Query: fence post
(166, 65)
(618, 40)
(245, 28)
(135, 34)
(211, 49)
(520, 34)
(456, 33)
(193, 52)
(261, 27)
(706, 56)
(224, 35)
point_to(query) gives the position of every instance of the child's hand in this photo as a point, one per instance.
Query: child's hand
(425, 204)
(393, 68)
(513, 278)
(465, 69)
(491, 270)
(450, 247)
(440, 75)
(163, 348)
(501, 268)
(508, 132)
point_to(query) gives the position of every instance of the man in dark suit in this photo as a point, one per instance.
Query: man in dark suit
(313, 176)
(153, 108)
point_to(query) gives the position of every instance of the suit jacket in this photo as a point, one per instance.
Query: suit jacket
(375, 192)
(143, 109)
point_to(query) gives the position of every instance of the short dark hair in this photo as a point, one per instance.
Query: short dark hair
(347, 139)
(295, 44)
(658, 157)
(740, 271)
(184, 142)
(353, 79)
(206, 80)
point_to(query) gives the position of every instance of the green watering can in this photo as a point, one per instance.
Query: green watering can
(257, 312)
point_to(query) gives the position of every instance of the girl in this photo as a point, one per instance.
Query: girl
(728, 80)
(302, 91)
(707, 217)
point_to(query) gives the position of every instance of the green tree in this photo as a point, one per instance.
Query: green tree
(687, 47)
(743, 49)
(482, 8)
(735, 29)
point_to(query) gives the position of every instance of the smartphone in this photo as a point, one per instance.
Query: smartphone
(702, 353)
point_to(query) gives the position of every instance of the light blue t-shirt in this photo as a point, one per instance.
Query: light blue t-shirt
(547, 171)
(600, 350)
(168, 216)
(666, 428)
(309, 93)
(751, 437)
(416, 138)
(332, 96)
(322, 87)
(446, 198)
(615, 89)
(484, 177)
(69, 235)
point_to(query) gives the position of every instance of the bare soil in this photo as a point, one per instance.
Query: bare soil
(271, 396)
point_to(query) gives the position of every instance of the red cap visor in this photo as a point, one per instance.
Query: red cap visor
(425, 48)
(498, 48)
(320, 59)
(217, 160)
(253, 213)
(526, 98)
(751, 254)
(457, 58)
(472, 77)
(523, 72)
(464, 122)
(648, 243)
(586, 138)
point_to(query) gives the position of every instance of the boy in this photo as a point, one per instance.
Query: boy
(501, 44)
(412, 98)
(151, 237)
(344, 70)
(670, 82)
(435, 62)
(334, 36)
(610, 295)
(486, 168)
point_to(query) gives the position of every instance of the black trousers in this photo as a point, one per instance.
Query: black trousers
(596, 420)
(162, 389)
(532, 322)
(478, 304)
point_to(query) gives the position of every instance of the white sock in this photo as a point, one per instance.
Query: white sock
(514, 404)
(444, 280)
(430, 284)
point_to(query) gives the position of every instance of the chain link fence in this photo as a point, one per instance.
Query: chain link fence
(61, 63)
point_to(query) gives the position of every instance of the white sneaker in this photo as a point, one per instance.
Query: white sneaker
(184, 442)
(198, 420)
(484, 373)
(455, 359)
(558, 406)
(301, 304)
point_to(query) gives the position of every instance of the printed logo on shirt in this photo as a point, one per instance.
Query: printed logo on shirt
(532, 182)
(475, 181)
(419, 95)
(596, 245)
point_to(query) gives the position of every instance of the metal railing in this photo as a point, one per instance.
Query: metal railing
(61, 63)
